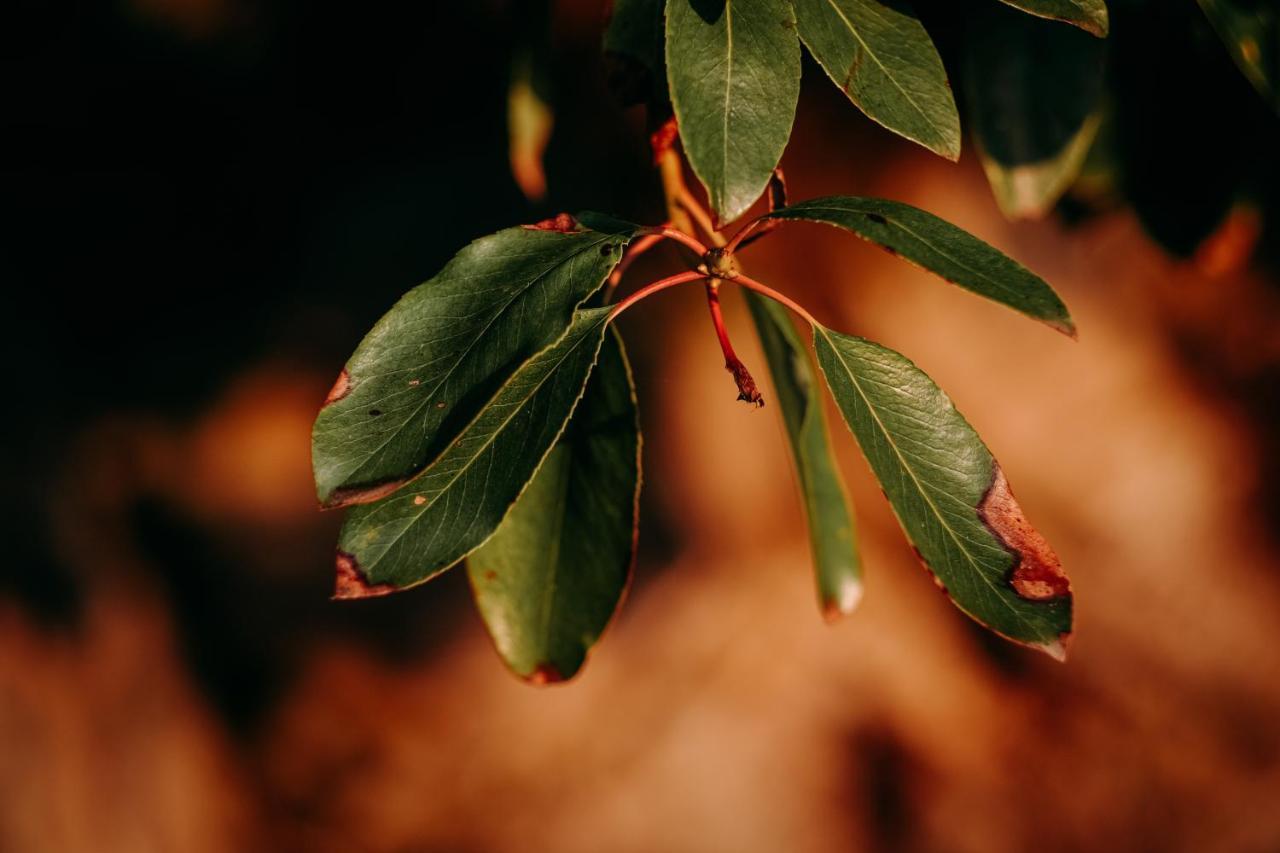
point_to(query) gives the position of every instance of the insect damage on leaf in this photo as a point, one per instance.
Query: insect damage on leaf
(561, 222)
(351, 582)
(1037, 575)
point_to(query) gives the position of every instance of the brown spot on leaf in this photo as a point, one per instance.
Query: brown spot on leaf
(1037, 575)
(351, 582)
(341, 388)
(544, 674)
(419, 500)
(361, 494)
(561, 222)
(413, 383)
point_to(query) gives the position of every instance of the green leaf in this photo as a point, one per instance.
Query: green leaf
(1088, 15)
(734, 71)
(941, 248)
(428, 366)
(879, 55)
(1251, 32)
(456, 504)
(831, 531)
(551, 577)
(1033, 90)
(948, 493)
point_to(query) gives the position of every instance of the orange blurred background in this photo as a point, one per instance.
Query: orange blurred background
(173, 676)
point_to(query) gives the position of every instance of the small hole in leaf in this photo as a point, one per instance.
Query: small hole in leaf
(877, 219)
(373, 413)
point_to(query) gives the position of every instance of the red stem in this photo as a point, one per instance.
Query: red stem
(747, 389)
(654, 287)
(679, 236)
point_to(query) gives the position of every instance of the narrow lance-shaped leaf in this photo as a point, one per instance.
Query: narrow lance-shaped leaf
(551, 577)
(1088, 15)
(428, 366)
(832, 540)
(734, 71)
(1251, 33)
(941, 248)
(1033, 91)
(948, 493)
(879, 55)
(456, 504)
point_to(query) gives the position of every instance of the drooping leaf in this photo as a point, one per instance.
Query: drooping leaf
(941, 248)
(1033, 91)
(433, 360)
(551, 577)
(734, 71)
(837, 568)
(1251, 33)
(948, 493)
(879, 55)
(456, 504)
(1088, 15)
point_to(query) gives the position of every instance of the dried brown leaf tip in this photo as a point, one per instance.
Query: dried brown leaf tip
(561, 222)
(351, 582)
(341, 388)
(543, 675)
(1037, 575)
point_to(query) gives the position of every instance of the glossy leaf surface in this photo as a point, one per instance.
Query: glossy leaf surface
(456, 504)
(948, 493)
(1088, 15)
(941, 248)
(435, 358)
(734, 71)
(832, 540)
(877, 53)
(551, 577)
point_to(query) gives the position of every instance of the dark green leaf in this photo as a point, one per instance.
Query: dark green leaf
(1033, 91)
(1088, 15)
(1251, 32)
(734, 71)
(941, 248)
(831, 532)
(456, 504)
(551, 577)
(879, 55)
(428, 366)
(948, 493)
(635, 30)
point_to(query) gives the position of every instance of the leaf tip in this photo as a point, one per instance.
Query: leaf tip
(351, 582)
(844, 602)
(544, 674)
(1056, 649)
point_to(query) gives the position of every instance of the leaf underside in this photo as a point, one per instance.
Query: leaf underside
(551, 577)
(733, 67)
(879, 55)
(832, 539)
(948, 493)
(1033, 90)
(436, 357)
(941, 248)
(1089, 15)
(455, 505)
